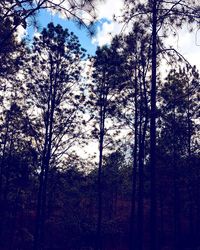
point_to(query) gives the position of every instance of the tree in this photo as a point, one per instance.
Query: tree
(158, 16)
(134, 114)
(177, 126)
(111, 182)
(103, 94)
(55, 93)
(17, 162)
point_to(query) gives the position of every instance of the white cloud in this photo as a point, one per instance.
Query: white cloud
(106, 10)
(106, 32)
(20, 33)
(187, 44)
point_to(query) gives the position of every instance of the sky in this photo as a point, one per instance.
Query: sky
(106, 28)
(186, 43)
(45, 17)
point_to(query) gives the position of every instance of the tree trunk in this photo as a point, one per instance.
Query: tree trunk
(141, 186)
(162, 222)
(99, 220)
(102, 114)
(190, 184)
(134, 169)
(1, 177)
(176, 188)
(43, 178)
(142, 135)
(153, 206)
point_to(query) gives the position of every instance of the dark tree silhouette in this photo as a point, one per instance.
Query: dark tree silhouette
(55, 93)
(106, 70)
(155, 15)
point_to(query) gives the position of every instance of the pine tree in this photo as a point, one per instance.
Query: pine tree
(103, 95)
(157, 15)
(53, 82)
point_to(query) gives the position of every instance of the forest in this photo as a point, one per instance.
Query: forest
(99, 151)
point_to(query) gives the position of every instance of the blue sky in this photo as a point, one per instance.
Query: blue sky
(104, 27)
(45, 17)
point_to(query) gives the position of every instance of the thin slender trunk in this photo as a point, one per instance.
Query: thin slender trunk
(38, 231)
(176, 212)
(190, 184)
(176, 189)
(115, 202)
(43, 178)
(142, 138)
(47, 162)
(134, 169)
(197, 224)
(103, 100)
(1, 177)
(99, 220)
(153, 207)
(3, 157)
(176, 207)
(37, 236)
(38, 212)
(141, 178)
(162, 222)
(141, 186)
(140, 209)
